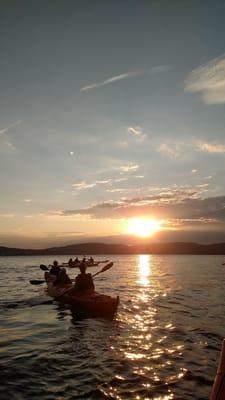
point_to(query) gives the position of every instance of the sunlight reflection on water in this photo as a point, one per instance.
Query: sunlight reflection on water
(161, 346)
(144, 264)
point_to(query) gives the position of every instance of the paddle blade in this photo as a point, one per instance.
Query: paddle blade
(37, 281)
(43, 267)
(105, 268)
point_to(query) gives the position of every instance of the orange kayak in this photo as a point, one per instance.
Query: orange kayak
(218, 390)
(85, 304)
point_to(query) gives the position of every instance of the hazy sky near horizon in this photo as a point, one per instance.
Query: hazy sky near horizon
(110, 110)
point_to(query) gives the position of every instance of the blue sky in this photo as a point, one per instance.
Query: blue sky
(109, 110)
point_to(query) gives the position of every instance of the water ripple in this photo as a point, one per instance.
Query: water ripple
(164, 343)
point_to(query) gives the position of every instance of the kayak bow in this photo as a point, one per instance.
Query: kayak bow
(218, 390)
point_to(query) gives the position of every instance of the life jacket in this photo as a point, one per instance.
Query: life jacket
(84, 282)
(55, 270)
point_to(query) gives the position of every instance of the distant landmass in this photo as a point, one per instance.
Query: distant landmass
(103, 248)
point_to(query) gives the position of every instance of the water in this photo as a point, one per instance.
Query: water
(163, 344)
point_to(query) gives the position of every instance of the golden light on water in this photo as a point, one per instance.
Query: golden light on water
(147, 346)
(145, 270)
(143, 227)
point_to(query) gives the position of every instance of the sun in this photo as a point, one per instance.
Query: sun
(143, 227)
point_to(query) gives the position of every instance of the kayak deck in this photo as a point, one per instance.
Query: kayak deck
(86, 304)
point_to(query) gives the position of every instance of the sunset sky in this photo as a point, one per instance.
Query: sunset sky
(111, 110)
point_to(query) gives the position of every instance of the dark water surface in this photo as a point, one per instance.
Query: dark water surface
(163, 344)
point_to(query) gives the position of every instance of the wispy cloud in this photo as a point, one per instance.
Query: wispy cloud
(174, 149)
(4, 130)
(209, 80)
(88, 185)
(83, 185)
(137, 132)
(154, 70)
(211, 147)
(183, 149)
(129, 167)
(108, 81)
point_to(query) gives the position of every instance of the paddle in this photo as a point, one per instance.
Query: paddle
(44, 268)
(105, 268)
(39, 281)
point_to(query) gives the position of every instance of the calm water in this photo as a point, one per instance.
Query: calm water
(164, 343)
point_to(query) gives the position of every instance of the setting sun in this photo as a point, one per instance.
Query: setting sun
(143, 227)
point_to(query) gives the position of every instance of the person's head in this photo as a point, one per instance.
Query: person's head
(82, 268)
(55, 263)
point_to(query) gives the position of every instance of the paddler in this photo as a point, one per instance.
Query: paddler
(55, 269)
(62, 278)
(83, 281)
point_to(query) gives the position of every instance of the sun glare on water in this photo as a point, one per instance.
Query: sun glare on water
(143, 227)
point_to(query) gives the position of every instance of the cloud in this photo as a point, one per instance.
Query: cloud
(85, 185)
(111, 80)
(130, 167)
(209, 81)
(4, 130)
(174, 204)
(173, 149)
(182, 149)
(154, 70)
(211, 147)
(137, 132)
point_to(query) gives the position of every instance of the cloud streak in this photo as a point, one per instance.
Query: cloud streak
(183, 149)
(154, 70)
(209, 81)
(114, 79)
(212, 148)
(4, 130)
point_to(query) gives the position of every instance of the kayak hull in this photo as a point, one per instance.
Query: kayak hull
(218, 390)
(95, 264)
(88, 264)
(88, 304)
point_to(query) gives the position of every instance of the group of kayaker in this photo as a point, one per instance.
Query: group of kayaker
(83, 281)
(76, 261)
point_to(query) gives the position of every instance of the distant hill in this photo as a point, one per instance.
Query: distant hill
(103, 248)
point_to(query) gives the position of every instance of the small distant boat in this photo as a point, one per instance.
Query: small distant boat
(88, 264)
(218, 390)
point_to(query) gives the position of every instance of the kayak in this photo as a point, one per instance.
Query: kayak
(85, 304)
(218, 390)
(88, 264)
(76, 265)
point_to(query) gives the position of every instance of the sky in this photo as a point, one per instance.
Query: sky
(111, 110)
